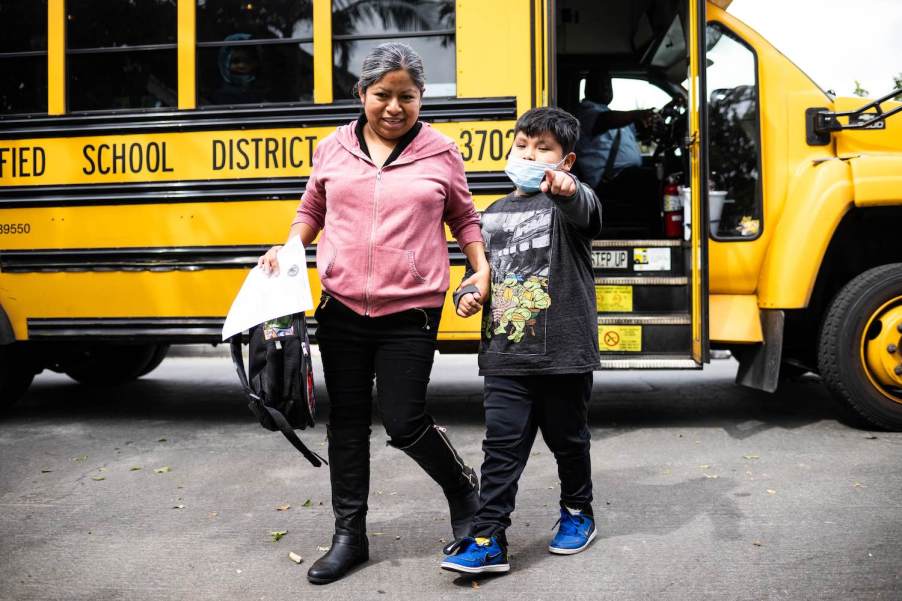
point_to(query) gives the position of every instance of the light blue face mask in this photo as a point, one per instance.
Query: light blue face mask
(528, 175)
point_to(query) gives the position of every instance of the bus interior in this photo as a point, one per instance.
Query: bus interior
(628, 57)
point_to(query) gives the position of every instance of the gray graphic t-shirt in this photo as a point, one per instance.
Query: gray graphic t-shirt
(541, 315)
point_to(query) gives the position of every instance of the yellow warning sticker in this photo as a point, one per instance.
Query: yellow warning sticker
(620, 338)
(614, 298)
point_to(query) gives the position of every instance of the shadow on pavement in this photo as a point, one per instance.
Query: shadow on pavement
(621, 402)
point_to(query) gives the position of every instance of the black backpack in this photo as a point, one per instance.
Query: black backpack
(280, 387)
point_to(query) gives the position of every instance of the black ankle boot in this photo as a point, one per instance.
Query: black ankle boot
(347, 551)
(434, 453)
(349, 472)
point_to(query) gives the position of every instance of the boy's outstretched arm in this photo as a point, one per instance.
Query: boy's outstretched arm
(581, 207)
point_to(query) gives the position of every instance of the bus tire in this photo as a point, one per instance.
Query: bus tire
(104, 364)
(155, 360)
(16, 374)
(851, 323)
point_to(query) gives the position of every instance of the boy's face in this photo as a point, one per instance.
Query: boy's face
(543, 148)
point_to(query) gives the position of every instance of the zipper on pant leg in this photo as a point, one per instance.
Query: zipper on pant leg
(465, 469)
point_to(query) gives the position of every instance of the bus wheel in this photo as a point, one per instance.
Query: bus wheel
(102, 364)
(16, 374)
(155, 360)
(860, 346)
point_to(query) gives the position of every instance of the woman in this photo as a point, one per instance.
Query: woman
(381, 190)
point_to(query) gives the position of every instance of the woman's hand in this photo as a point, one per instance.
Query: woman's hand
(269, 262)
(470, 304)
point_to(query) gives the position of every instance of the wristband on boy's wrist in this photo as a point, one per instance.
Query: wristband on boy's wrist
(460, 292)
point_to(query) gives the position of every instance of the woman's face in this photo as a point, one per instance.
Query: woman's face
(392, 104)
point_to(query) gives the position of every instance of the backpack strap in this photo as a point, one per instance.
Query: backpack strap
(260, 409)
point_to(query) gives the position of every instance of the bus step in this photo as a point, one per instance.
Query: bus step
(642, 294)
(631, 335)
(638, 257)
(663, 362)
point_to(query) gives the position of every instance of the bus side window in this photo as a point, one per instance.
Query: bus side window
(356, 32)
(121, 55)
(23, 57)
(254, 53)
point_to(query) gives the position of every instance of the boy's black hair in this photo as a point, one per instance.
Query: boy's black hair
(557, 122)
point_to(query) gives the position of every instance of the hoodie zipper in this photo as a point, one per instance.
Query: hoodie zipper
(370, 250)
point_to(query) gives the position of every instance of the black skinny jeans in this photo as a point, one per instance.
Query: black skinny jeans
(516, 407)
(397, 350)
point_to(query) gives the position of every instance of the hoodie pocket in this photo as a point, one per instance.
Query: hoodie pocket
(343, 270)
(397, 274)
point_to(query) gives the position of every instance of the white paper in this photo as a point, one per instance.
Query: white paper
(264, 296)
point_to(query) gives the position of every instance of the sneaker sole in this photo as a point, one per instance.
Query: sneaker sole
(453, 567)
(560, 551)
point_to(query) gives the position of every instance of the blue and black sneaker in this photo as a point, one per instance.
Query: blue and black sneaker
(576, 532)
(476, 556)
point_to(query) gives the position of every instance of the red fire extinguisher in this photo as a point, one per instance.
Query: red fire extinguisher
(673, 210)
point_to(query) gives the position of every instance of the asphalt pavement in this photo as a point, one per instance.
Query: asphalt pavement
(166, 489)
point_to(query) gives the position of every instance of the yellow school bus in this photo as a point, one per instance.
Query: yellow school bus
(150, 151)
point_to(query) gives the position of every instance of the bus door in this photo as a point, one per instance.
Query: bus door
(607, 62)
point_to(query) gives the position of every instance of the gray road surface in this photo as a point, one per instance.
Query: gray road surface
(703, 491)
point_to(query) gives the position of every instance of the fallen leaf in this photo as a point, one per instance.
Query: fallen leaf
(98, 478)
(307, 503)
(871, 437)
(213, 514)
(45, 471)
(323, 548)
(475, 585)
(859, 485)
(178, 506)
(162, 440)
(377, 533)
(277, 535)
(750, 457)
(103, 469)
(771, 491)
(284, 507)
(710, 476)
(80, 458)
(757, 543)
(295, 557)
(134, 468)
(162, 470)
(704, 466)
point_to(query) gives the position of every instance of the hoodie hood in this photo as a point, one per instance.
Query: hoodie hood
(427, 143)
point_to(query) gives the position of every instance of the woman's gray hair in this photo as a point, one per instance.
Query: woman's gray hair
(389, 57)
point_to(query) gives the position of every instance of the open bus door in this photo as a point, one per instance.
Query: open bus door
(651, 291)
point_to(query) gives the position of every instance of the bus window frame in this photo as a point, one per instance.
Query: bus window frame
(759, 193)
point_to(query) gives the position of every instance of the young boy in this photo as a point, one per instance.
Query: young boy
(539, 338)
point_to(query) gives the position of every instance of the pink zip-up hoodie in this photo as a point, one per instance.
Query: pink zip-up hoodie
(383, 247)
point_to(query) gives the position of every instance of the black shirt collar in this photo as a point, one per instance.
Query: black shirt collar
(403, 142)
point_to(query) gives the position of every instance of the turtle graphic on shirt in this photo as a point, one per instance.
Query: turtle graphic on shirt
(515, 305)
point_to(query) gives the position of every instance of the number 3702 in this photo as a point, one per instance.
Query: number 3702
(479, 144)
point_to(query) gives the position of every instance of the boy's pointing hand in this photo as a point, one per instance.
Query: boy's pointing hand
(558, 183)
